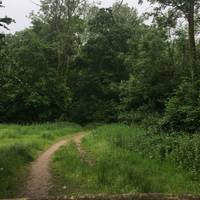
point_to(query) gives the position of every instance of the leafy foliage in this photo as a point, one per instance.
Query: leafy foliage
(153, 76)
(87, 64)
(182, 110)
(31, 91)
(100, 68)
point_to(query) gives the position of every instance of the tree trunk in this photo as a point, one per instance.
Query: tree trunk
(192, 43)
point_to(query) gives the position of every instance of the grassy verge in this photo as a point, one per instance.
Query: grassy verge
(126, 161)
(19, 145)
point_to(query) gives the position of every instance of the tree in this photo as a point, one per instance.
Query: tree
(189, 10)
(4, 22)
(153, 76)
(30, 91)
(100, 66)
(63, 27)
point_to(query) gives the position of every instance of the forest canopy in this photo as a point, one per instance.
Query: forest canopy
(81, 63)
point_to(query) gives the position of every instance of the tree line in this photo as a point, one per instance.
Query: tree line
(82, 63)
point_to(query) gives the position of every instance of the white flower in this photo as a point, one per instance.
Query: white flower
(64, 187)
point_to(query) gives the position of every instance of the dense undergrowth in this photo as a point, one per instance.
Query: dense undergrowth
(181, 150)
(129, 160)
(19, 145)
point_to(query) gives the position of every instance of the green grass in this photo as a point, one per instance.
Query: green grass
(123, 165)
(19, 145)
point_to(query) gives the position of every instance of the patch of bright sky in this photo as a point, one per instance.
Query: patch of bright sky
(20, 10)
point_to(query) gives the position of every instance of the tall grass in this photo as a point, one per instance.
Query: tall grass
(181, 150)
(123, 165)
(19, 145)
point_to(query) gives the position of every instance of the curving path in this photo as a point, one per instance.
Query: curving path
(39, 180)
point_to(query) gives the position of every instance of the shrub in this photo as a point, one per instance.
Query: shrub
(183, 109)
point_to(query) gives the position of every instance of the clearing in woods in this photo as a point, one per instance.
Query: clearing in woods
(39, 180)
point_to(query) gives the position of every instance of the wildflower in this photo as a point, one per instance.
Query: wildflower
(64, 187)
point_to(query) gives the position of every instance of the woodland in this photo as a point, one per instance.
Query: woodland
(81, 63)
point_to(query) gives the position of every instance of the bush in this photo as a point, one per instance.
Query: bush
(45, 99)
(183, 109)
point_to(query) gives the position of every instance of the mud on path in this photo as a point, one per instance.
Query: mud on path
(39, 180)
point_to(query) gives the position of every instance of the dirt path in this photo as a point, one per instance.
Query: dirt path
(82, 152)
(39, 181)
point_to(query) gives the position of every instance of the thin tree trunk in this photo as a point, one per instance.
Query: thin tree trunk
(192, 43)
